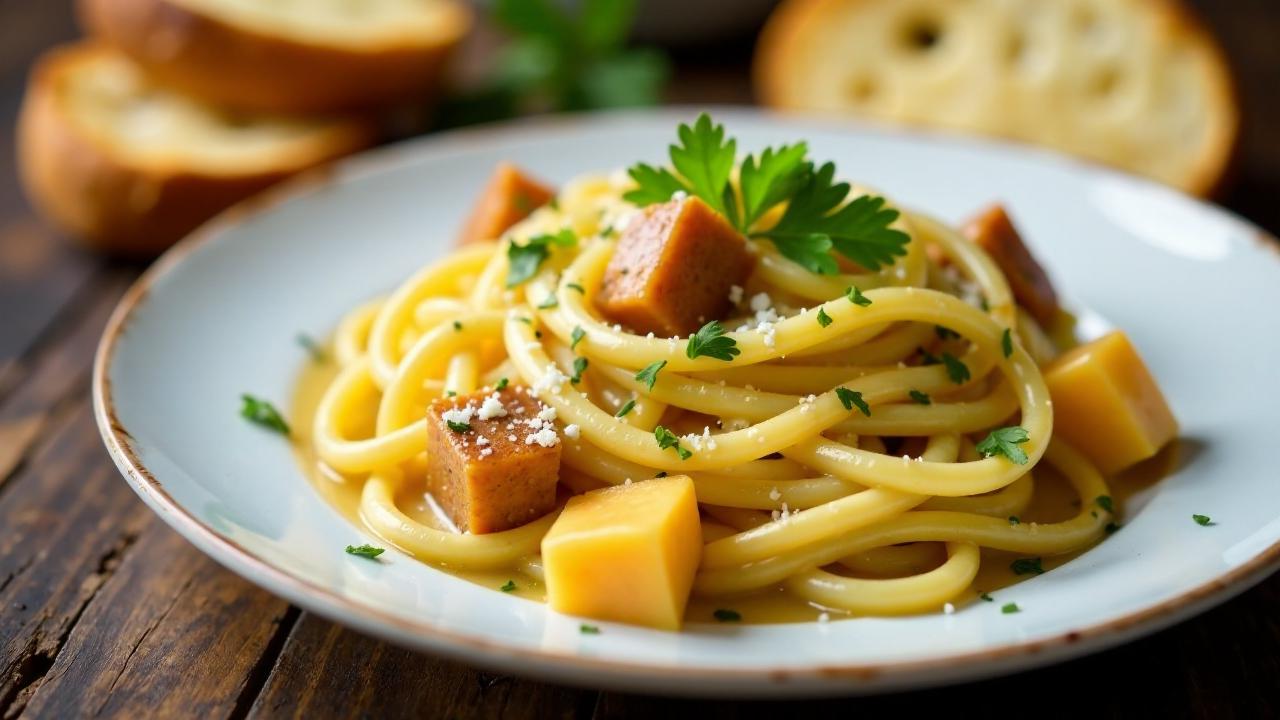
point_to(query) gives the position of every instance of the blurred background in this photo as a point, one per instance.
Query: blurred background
(133, 121)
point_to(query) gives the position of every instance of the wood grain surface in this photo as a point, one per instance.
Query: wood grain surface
(106, 612)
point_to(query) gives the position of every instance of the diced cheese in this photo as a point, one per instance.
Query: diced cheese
(1107, 405)
(626, 553)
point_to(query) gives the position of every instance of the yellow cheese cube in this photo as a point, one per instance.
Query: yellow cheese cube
(626, 553)
(1107, 405)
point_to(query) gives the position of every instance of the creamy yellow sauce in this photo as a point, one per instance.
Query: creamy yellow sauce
(1053, 501)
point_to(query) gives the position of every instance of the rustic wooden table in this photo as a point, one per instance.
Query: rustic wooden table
(106, 611)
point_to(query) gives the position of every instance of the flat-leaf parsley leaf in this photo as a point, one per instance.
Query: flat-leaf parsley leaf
(1005, 441)
(851, 399)
(667, 439)
(524, 260)
(711, 341)
(263, 413)
(365, 551)
(649, 375)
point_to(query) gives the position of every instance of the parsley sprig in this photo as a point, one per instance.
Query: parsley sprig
(667, 439)
(819, 220)
(711, 341)
(524, 260)
(261, 412)
(1005, 441)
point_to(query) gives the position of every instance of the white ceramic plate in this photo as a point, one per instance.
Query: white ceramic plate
(218, 316)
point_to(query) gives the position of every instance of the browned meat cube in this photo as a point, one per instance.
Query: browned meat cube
(673, 268)
(994, 232)
(508, 198)
(493, 459)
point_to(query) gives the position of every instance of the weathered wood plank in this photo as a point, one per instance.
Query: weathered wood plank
(59, 368)
(169, 634)
(326, 670)
(67, 519)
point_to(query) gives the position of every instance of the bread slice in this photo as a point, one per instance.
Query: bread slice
(293, 56)
(129, 168)
(1138, 84)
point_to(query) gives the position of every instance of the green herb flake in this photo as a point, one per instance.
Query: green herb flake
(919, 397)
(1005, 441)
(1010, 608)
(626, 408)
(945, 333)
(365, 551)
(956, 370)
(851, 399)
(823, 318)
(576, 336)
(550, 303)
(588, 629)
(579, 366)
(1104, 502)
(458, 427)
(1006, 343)
(525, 260)
(1013, 520)
(667, 439)
(312, 347)
(1203, 520)
(1026, 566)
(984, 597)
(502, 384)
(649, 375)
(508, 586)
(576, 286)
(856, 297)
(1111, 527)
(457, 326)
(661, 474)
(711, 341)
(725, 615)
(261, 412)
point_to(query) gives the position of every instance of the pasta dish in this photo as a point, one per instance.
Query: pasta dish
(696, 391)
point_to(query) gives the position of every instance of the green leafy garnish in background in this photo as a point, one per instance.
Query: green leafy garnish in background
(261, 412)
(559, 60)
(817, 222)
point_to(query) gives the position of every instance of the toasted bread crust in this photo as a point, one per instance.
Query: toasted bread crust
(792, 40)
(114, 204)
(244, 68)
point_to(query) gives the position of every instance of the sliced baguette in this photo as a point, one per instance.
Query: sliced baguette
(129, 168)
(288, 57)
(1138, 84)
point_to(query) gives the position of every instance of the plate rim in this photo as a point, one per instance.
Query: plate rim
(564, 667)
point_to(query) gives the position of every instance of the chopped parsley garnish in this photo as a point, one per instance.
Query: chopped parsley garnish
(312, 347)
(550, 303)
(1026, 566)
(457, 326)
(502, 384)
(667, 439)
(626, 408)
(919, 397)
(823, 318)
(458, 427)
(588, 629)
(1006, 342)
(817, 221)
(986, 598)
(851, 399)
(1013, 520)
(263, 413)
(956, 370)
(727, 615)
(365, 551)
(576, 336)
(945, 333)
(576, 286)
(1005, 441)
(649, 375)
(856, 297)
(508, 586)
(1104, 502)
(450, 393)
(1203, 520)
(1010, 608)
(524, 260)
(711, 341)
(579, 367)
